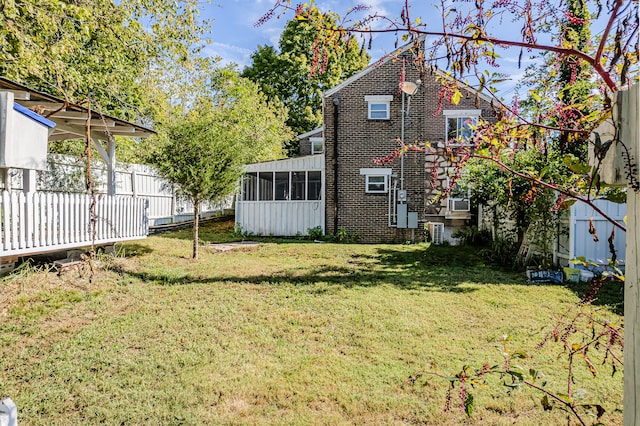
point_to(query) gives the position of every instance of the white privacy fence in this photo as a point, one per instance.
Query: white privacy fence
(46, 221)
(67, 174)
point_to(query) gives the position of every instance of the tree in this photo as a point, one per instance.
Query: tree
(304, 67)
(197, 157)
(202, 149)
(98, 51)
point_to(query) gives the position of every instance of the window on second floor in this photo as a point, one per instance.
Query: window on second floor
(379, 107)
(460, 125)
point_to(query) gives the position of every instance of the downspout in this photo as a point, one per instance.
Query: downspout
(336, 103)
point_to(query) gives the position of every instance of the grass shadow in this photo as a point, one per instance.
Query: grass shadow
(423, 267)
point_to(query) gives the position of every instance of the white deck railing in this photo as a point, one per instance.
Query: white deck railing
(44, 221)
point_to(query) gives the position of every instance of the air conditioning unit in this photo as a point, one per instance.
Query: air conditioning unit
(458, 205)
(436, 231)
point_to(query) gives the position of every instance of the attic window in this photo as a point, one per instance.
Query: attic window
(378, 106)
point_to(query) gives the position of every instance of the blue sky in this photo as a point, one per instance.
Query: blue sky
(234, 36)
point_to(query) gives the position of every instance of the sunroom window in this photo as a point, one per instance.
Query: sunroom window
(282, 186)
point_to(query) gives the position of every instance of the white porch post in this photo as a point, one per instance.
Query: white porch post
(29, 181)
(109, 157)
(629, 134)
(111, 166)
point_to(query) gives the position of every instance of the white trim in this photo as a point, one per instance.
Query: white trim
(462, 113)
(313, 132)
(368, 182)
(458, 117)
(315, 140)
(379, 100)
(373, 171)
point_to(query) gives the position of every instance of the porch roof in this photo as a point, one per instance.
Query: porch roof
(70, 119)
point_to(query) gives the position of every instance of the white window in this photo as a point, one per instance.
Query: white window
(317, 145)
(376, 180)
(460, 195)
(460, 125)
(379, 107)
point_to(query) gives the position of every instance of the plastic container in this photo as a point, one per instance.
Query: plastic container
(571, 275)
(585, 276)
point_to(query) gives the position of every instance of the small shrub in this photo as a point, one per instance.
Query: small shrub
(238, 232)
(501, 251)
(315, 233)
(471, 235)
(345, 236)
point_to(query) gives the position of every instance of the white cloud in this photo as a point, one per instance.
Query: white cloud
(229, 54)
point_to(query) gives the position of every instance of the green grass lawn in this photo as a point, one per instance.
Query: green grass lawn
(283, 333)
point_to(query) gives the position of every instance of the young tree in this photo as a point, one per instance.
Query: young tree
(197, 156)
(203, 147)
(303, 68)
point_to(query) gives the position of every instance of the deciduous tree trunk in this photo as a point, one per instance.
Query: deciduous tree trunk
(196, 214)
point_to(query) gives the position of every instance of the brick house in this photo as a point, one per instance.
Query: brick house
(364, 119)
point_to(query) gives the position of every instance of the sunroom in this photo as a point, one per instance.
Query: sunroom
(282, 198)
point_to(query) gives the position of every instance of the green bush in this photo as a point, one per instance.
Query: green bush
(315, 233)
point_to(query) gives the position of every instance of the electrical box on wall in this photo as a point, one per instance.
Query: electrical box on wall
(412, 220)
(23, 136)
(402, 195)
(402, 216)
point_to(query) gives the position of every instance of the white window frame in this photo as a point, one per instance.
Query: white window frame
(384, 100)
(315, 141)
(450, 199)
(370, 173)
(473, 114)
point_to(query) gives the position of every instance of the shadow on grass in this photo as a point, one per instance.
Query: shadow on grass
(610, 294)
(133, 249)
(443, 269)
(451, 269)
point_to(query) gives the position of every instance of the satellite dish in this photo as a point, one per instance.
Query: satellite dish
(408, 87)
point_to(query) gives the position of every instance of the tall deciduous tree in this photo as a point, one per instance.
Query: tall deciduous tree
(203, 147)
(303, 67)
(98, 50)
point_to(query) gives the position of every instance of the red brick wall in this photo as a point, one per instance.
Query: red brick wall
(360, 140)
